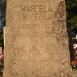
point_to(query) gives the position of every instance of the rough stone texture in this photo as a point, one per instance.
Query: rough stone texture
(36, 41)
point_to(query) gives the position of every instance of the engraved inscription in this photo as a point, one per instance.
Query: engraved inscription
(37, 12)
(36, 8)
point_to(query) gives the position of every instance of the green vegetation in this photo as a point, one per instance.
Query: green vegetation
(71, 7)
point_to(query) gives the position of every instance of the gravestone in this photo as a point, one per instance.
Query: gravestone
(36, 39)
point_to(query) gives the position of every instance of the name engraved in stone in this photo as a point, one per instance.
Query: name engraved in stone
(37, 12)
(36, 8)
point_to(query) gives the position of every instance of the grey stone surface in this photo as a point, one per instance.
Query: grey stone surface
(36, 41)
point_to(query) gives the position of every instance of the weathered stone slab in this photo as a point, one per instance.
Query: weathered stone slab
(36, 41)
